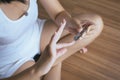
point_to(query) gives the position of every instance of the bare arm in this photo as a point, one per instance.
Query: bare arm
(58, 13)
(53, 7)
(28, 74)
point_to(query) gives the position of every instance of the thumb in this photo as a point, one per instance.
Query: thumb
(61, 52)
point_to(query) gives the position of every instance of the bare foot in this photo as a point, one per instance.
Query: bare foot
(83, 50)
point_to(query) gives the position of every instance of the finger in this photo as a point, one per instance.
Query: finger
(52, 40)
(90, 33)
(83, 35)
(79, 28)
(60, 30)
(86, 35)
(91, 28)
(88, 30)
(57, 34)
(61, 52)
(62, 45)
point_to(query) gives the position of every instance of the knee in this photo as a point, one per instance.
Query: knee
(98, 24)
(94, 18)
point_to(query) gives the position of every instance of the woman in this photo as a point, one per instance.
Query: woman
(23, 35)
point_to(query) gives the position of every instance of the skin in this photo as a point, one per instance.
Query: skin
(49, 64)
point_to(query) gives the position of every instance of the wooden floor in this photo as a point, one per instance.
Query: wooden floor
(102, 62)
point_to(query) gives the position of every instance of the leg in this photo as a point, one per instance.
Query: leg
(84, 42)
(54, 73)
(79, 44)
(24, 67)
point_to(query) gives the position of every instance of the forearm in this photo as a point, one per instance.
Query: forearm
(28, 74)
(39, 69)
(52, 7)
(35, 72)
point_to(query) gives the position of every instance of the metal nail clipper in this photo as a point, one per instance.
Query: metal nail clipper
(85, 27)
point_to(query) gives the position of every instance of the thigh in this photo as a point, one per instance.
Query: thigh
(25, 66)
(48, 30)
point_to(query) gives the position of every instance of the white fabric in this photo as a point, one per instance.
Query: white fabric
(19, 38)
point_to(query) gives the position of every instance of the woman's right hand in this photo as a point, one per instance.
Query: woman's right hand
(53, 51)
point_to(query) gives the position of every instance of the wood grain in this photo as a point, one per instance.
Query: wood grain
(102, 62)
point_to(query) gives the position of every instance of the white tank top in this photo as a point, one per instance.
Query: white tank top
(19, 38)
